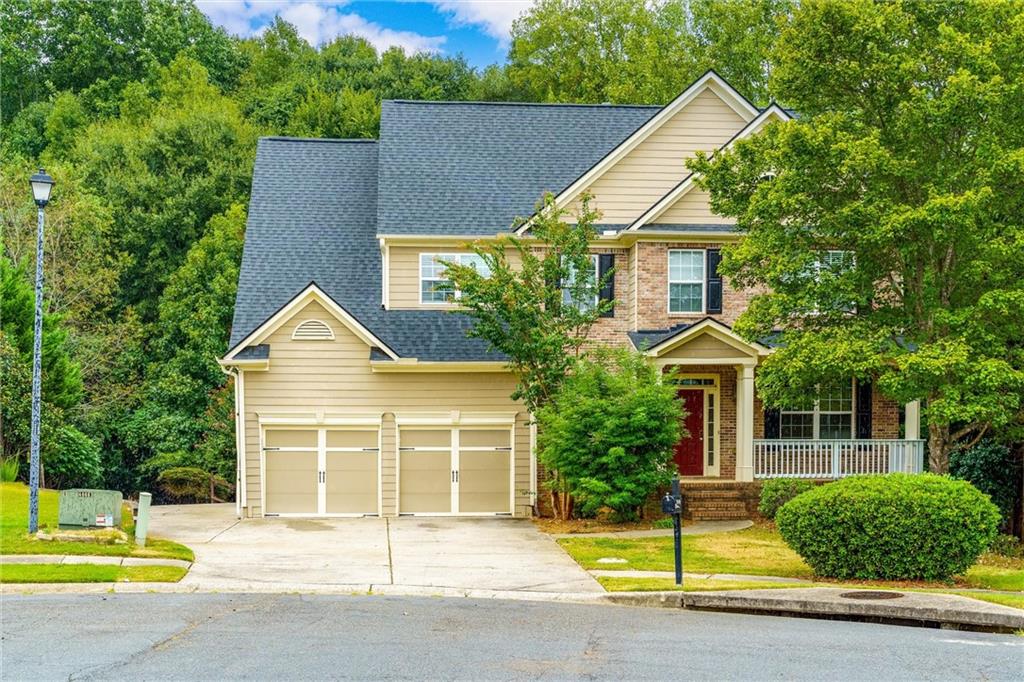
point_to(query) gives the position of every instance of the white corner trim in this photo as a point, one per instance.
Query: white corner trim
(310, 293)
(687, 183)
(709, 80)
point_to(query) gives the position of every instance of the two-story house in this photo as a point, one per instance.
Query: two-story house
(356, 387)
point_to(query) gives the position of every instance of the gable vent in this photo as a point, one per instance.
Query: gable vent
(313, 329)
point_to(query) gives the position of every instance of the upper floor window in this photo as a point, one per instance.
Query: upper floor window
(589, 298)
(686, 281)
(435, 287)
(829, 417)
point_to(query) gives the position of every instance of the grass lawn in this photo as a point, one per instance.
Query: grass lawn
(15, 540)
(755, 551)
(701, 585)
(88, 573)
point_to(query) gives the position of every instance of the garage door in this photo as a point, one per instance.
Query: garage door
(455, 471)
(324, 471)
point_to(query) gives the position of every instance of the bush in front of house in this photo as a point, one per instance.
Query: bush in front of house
(72, 460)
(991, 468)
(610, 433)
(776, 492)
(890, 527)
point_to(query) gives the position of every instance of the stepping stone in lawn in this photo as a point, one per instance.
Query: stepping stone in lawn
(612, 560)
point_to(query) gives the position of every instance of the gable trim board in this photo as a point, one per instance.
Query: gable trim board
(688, 183)
(709, 80)
(310, 293)
(714, 328)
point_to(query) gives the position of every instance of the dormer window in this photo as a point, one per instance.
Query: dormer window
(313, 330)
(435, 287)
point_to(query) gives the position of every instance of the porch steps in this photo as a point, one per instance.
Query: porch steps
(716, 501)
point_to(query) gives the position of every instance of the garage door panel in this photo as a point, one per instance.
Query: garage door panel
(351, 485)
(425, 483)
(291, 438)
(352, 439)
(484, 481)
(484, 438)
(426, 438)
(291, 482)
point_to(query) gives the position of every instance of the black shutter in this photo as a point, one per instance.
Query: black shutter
(863, 408)
(714, 281)
(772, 423)
(605, 263)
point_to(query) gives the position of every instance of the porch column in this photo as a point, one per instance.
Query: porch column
(912, 420)
(745, 423)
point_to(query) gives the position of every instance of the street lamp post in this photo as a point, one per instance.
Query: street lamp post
(41, 184)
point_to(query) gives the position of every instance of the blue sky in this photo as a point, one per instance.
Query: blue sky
(478, 29)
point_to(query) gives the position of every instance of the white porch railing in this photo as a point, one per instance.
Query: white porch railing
(835, 458)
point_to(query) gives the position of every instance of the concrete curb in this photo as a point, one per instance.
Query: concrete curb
(68, 559)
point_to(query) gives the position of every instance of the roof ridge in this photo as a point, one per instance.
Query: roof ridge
(285, 138)
(604, 105)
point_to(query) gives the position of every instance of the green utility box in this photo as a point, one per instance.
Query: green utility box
(84, 508)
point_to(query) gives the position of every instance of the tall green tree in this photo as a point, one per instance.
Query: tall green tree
(624, 51)
(908, 157)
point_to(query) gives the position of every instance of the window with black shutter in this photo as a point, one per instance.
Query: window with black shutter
(605, 265)
(864, 409)
(714, 281)
(772, 423)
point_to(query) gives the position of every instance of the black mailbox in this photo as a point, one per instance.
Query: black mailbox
(668, 504)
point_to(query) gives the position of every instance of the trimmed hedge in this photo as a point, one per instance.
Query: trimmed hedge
(776, 492)
(891, 527)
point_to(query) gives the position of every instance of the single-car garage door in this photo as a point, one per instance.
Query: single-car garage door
(455, 471)
(321, 471)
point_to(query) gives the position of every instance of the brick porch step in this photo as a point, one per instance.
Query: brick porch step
(718, 515)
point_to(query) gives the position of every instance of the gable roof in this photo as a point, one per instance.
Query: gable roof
(660, 341)
(323, 230)
(710, 80)
(687, 183)
(472, 168)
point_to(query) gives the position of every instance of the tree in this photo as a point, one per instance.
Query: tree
(624, 51)
(516, 301)
(610, 432)
(908, 159)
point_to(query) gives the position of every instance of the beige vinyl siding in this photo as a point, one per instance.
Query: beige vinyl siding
(404, 275)
(332, 379)
(656, 165)
(704, 346)
(693, 208)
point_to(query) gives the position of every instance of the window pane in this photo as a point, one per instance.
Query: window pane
(836, 398)
(686, 266)
(796, 425)
(685, 298)
(589, 298)
(436, 291)
(475, 261)
(835, 426)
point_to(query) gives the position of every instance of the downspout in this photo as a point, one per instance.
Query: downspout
(240, 501)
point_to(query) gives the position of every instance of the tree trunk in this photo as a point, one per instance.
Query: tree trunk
(939, 446)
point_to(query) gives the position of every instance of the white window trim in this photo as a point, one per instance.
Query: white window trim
(456, 295)
(595, 262)
(818, 412)
(703, 283)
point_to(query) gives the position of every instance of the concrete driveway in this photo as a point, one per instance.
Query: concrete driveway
(285, 554)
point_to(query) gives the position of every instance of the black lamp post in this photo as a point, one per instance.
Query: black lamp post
(42, 185)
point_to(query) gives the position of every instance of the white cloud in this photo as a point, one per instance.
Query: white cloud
(494, 16)
(318, 23)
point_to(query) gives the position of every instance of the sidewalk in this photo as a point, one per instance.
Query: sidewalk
(90, 559)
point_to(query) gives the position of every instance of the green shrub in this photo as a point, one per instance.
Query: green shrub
(991, 468)
(73, 461)
(1008, 546)
(610, 433)
(891, 527)
(193, 484)
(778, 491)
(9, 470)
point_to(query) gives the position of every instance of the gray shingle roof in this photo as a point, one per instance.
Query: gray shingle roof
(322, 230)
(471, 168)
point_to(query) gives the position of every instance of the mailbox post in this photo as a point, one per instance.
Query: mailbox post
(672, 504)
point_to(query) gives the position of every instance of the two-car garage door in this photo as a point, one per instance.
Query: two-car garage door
(321, 471)
(317, 471)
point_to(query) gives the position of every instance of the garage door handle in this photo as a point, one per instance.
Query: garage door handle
(369, 449)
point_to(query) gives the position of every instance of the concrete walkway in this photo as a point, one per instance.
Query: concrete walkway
(698, 528)
(367, 554)
(67, 559)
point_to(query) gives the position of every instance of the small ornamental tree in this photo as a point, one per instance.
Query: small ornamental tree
(516, 299)
(610, 433)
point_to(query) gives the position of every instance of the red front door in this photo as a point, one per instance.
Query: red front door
(690, 448)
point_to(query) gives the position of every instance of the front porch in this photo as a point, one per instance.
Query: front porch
(731, 437)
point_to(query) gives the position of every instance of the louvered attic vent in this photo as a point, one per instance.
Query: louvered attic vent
(312, 330)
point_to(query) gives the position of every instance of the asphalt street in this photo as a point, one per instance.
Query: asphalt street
(283, 637)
